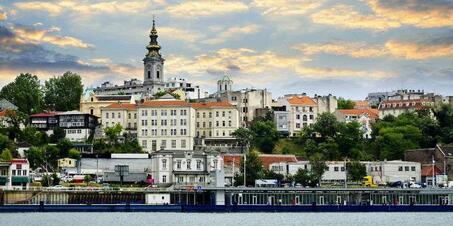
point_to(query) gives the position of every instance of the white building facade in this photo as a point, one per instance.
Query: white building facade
(166, 125)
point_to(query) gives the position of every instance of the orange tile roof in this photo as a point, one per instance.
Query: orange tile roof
(427, 171)
(223, 104)
(160, 103)
(301, 100)
(372, 113)
(122, 106)
(268, 159)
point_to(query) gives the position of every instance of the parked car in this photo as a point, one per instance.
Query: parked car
(415, 185)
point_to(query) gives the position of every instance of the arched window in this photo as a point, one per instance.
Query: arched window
(226, 87)
(149, 74)
(92, 111)
(158, 74)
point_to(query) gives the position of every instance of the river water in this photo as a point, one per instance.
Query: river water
(221, 219)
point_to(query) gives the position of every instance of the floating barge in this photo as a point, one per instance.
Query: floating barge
(230, 200)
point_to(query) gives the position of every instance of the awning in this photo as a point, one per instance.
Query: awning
(20, 179)
(3, 180)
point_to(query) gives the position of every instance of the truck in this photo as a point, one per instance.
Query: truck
(368, 182)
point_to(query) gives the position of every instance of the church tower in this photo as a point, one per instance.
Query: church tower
(153, 81)
(225, 84)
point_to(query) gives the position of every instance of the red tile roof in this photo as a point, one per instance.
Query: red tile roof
(122, 106)
(372, 113)
(223, 104)
(22, 161)
(45, 114)
(268, 159)
(161, 103)
(301, 100)
(427, 171)
(7, 112)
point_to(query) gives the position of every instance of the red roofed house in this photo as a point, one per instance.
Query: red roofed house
(124, 114)
(297, 112)
(427, 174)
(365, 117)
(14, 174)
(398, 107)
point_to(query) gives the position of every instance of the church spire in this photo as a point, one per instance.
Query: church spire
(153, 47)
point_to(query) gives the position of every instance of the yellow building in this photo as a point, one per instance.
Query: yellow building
(92, 103)
(67, 163)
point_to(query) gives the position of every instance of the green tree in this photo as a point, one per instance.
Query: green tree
(345, 104)
(87, 179)
(74, 154)
(265, 135)
(46, 180)
(244, 137)
(305, 178)
(6, 155)
(63, 93)
(57, 135)
(35, 156)
(356, 170)
(5, 142)
(318, 166)
(269, 174)
(55, 179)
(254, 170)
(64, 145)
(113, 133)
(33, 137)
(24, 92)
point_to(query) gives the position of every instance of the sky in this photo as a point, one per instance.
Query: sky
(344, 48)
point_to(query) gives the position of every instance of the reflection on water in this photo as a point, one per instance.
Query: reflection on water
(220, 219)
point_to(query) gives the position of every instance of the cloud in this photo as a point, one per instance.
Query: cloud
(420, 51)
(247, 65)
(3, 15)
(353, 49)
(286, 7)
(200, 8)
(85, 7)
(179, 34)
(17, 57)
(236, 31)
(346, 16)
(101, 60)
(387, 14)
(418, 13)
(37, 36)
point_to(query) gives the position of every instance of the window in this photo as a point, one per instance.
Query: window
(198, 114)
(113, 114)
(406, 168)
(198, 164)
(163, 144)
(106, 115)
(304, 118)
(163, 113)
(216, 114)
(164, 179)
(198, 124)
(215, 164)
(342, 169)
(183, 143)
(223, 113)
(183, 112)
(149, 74)
(129, 115)
(298, 125)
(173, 112)
(223, 123)
(144, 143)
(173, 143)
(311, 117)
(178, 164)
(164, 164)
(189, 164)
(297, 116)
(204, 114)
(412, 168)
(210, 114)
(400, 168)
(158, 74)
(229, 123)
(335, 168)
(119, 114)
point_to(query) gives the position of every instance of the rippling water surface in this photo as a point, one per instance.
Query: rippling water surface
(220, 219)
